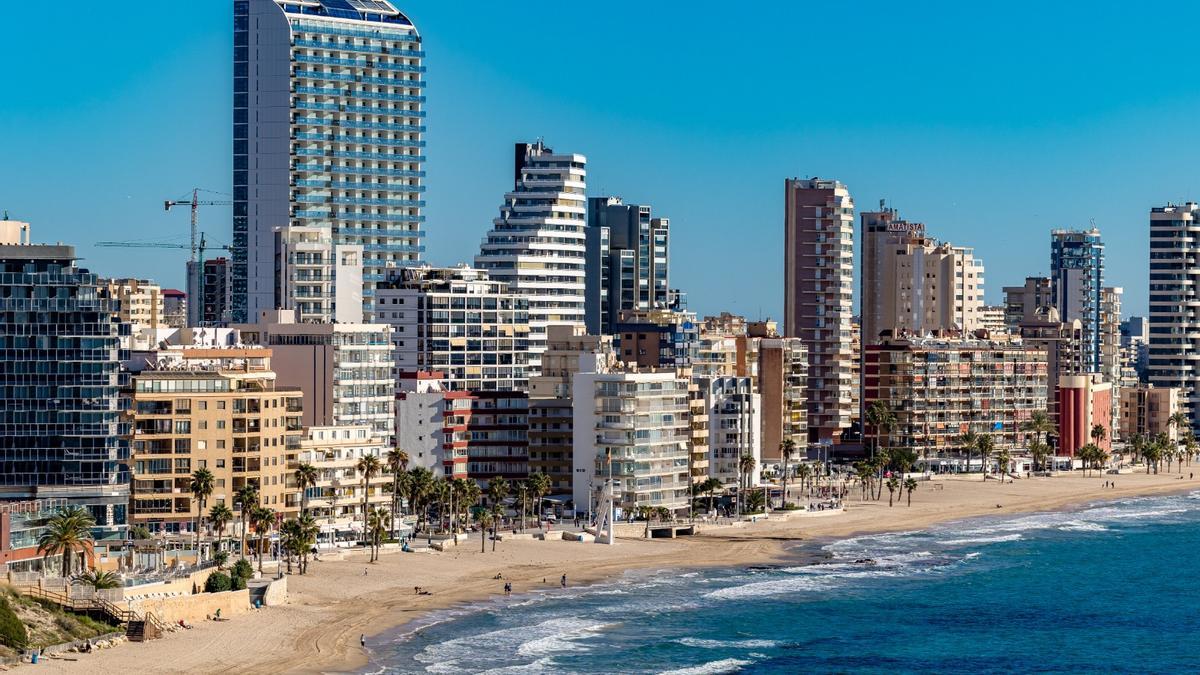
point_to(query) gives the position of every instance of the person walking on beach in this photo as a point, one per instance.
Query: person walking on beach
(362, 640)
(564, 581)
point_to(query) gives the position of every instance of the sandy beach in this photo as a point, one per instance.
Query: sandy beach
(329, 608)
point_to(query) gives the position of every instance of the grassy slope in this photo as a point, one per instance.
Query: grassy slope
(49, 625)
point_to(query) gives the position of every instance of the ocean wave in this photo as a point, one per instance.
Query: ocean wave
(1016, 536)
(538, 640)
(726, 644)
(711, 668)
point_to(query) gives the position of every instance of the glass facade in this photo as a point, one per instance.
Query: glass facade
(61, 433)
(348, 157)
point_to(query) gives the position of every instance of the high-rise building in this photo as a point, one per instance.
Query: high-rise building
(1110, 333)
(336, 500)
(318, 279)
(551, 439)
(214, 409)
(819, 296)
(659, 338)
(457, 321)
(627, 261)
(61, 431)
(328, 132)
(1077, 283)
(344, 369)
(1021, 303)
(1062, 341)
(1174, 358)
(631, 428)
(913, 284)
(1135, 347)
(215, 305)
(1084, 403)
(538, 243)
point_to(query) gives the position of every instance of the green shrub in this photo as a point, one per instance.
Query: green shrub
(217, 582)
(12, 631)
(243, 569)
(239, 583)
(221, 558)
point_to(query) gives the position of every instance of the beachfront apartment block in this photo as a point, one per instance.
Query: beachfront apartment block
(538, 242)
(632, 436)
(1174, 351)
(217, 409)
(569, 348)
(734, 412)
(657, 338)
(459, 322)
(336, 499)
(1145, 411)
(819, 297)
(344, 369)
(940, 388)
(62, 434)
(328, 132)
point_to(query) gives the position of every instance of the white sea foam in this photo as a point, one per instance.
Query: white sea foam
(539, 640)
(727, 644)
(562, 641)
(711, 668)
(1016, 536)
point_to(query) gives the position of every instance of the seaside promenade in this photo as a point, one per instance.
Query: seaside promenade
(332, 606)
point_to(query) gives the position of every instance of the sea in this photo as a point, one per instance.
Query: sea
(1109, 587)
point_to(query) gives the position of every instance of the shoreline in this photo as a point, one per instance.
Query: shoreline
(328, 609)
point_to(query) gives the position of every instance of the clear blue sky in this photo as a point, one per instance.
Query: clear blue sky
(992, 126)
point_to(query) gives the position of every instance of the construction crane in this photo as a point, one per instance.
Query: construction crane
(195, 203)
(196, 248)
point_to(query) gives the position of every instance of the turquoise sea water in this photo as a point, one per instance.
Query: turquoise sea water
(1110, 587)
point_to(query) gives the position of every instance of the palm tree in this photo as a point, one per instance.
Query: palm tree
(746, 467)
(1152, 452)
(220, 516)
(246, 499)
(1179, 420)
(485, 521)
(397, 464)
(497, 490)
(1003, 458)
(289, 534)
(378, 525)
(523, 495)
(1099, 433)
(306, 477)
(892, 485)
(539, 487)
(910, 484)
(882, 419)
(262, 518)
(866, 474)
(804, 472)
(306, 538)
(986, 446)
(786, 449)
(420, 483)
(1038, 450)
(99, 580)
(201, 486)
(968, 440)
(67, 531)
(1041, 426)
(368, 466)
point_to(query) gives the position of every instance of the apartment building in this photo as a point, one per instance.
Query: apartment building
(345, 370)
(336, 500)
(631, 428)
(657, 338)
(318, 279)
(141, 303)
(551, 441)
(1077, 285)
(914, 284)
(1145, 411)
(538, 243)
(567, 347)
(941, 388)
(1021, 303)
(627, 261)
(819, 297)
(1084, 403)
(215, 409)
(459, 322)
(491, 430)
(215, 305)
(734, 424)
(1174, 350)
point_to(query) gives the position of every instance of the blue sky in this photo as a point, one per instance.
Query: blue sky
(991, 126)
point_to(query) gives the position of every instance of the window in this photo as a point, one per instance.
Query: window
(201, 445)
(220, 424)
(220, 464)
(220, 405)
(202, 424)
(202, 405)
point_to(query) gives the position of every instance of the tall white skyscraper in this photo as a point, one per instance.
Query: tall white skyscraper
(1174, 326)
(328, 127)
(538, 243)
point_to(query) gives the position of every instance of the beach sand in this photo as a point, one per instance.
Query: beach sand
(330, 607)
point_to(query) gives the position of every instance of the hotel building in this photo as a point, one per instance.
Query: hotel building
(819, 297)
(328, 132)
